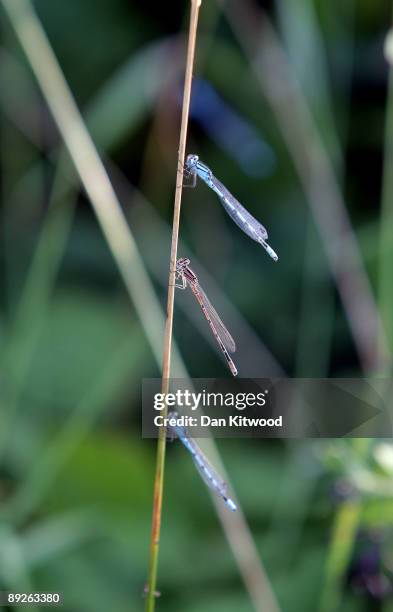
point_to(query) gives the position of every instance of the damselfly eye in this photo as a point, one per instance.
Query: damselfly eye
(182, 263)
(192, 160)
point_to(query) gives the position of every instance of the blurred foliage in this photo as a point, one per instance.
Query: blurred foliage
(75, 477)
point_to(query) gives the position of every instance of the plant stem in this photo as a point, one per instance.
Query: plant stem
(386, 242)
(166, 365)
(341, 546)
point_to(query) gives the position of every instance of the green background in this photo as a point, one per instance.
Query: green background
(76, 478)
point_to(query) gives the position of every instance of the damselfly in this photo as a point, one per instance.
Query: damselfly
(202, 464)
(237, 212)
(221, 334)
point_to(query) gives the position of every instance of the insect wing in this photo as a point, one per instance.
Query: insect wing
(222, 331)
(239, 214)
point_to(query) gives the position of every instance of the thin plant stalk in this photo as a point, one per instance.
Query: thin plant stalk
(340, 550)
(385, 285)
(166, 365)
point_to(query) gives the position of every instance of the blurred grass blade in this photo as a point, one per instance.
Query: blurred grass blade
(304, 41)
(91, 171)
(20, 89)
(128, 95)
(267, 58)
(340, 551)
(33, 304)
(385, 288)
(314, 341)
(305, 46)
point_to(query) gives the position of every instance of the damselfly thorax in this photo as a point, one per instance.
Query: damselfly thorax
(182, 269)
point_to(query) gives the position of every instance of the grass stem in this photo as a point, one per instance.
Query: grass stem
(346, 523)
(166, 365)
(385, 285)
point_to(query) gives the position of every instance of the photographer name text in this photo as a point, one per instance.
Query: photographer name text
(206, 421)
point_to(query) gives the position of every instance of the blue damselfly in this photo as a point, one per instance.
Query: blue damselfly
(203, 465)
(243, 219)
